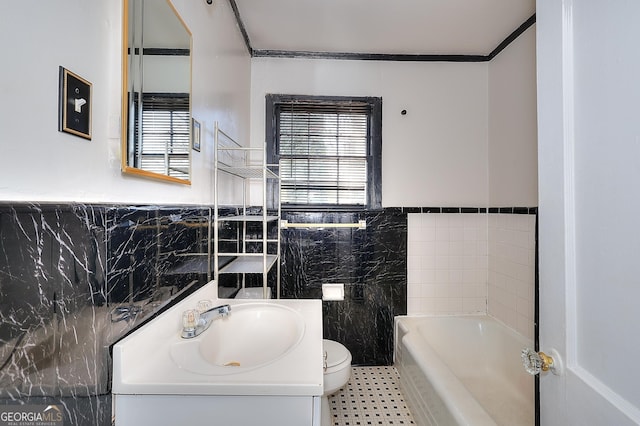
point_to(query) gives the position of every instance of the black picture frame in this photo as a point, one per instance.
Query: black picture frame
(74, 104)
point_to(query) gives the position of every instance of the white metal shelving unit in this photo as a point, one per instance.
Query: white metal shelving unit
(233, 159)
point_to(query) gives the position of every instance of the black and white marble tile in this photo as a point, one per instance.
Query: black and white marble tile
(371, 263)
(74, 279)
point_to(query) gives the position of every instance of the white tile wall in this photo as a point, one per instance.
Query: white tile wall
(472, 264)
(512, 270)
(447, 263)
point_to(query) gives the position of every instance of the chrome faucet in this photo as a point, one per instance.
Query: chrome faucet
(205, 320)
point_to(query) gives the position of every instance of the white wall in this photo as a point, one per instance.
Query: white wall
(456, 146)
(513, 154)
(436, 155)
(38, 163)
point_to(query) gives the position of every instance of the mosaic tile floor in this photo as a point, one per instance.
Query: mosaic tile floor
(371, 397)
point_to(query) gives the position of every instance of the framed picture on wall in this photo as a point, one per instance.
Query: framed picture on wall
(74, 104)
(195, 137)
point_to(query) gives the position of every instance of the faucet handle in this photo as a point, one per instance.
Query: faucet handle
(204, 305)
(190, 319)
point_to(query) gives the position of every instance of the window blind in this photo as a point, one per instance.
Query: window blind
(323, 149)
(164, 141)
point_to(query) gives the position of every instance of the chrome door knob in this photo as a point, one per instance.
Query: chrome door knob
(536, 362)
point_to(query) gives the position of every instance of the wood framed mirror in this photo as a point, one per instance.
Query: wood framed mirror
(156, 92)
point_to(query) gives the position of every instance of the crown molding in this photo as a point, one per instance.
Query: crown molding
(396, 57)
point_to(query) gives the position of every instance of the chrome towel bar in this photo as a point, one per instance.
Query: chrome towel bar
(362, 224)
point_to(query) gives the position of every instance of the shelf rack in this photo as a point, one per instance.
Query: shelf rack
(233, 159)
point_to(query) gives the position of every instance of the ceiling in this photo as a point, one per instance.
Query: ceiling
(389, 27)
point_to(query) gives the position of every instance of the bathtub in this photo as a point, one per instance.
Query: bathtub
(463, 370)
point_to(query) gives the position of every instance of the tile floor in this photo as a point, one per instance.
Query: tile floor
(371, 397)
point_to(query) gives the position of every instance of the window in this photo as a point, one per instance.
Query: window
(328, 151)
(164, 144)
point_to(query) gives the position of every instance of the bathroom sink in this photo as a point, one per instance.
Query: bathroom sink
(251, 336)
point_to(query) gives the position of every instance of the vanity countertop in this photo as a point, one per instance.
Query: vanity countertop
(143, 364)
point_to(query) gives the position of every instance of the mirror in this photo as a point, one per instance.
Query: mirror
(156, 98)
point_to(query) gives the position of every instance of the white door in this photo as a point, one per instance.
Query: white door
(589, 215)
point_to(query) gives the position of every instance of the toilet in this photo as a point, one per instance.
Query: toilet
(337, 370)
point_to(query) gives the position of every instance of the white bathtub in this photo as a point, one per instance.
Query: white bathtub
(463, 370)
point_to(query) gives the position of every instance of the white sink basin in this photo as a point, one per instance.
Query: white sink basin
(251, 336)
(277, 344)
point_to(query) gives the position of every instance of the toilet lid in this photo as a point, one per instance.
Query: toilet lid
(336, 353)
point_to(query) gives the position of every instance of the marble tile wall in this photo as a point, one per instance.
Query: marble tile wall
(75, 278)
(371, 263)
